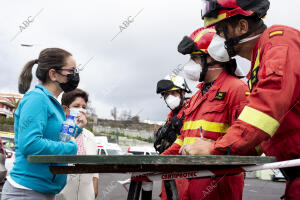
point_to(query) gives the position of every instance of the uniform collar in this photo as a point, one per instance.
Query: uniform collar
(216, 86)
(219, 80)
(253, 56)
(197, 99)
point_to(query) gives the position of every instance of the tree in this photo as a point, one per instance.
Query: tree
(135, 119)
(15, 102)
(114, 113)
(125, 115)
(91, 111)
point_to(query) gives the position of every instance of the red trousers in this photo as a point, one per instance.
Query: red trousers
(221, 188)
(292, 190)
(182, 186)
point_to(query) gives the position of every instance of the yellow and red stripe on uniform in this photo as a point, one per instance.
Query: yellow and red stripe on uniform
(186, 140)
(206, 126)
(259, 120)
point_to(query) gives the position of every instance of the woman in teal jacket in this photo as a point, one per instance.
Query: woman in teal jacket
(38, 121)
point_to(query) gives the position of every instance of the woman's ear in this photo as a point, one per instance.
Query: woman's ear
(52, 75)
(66, 109)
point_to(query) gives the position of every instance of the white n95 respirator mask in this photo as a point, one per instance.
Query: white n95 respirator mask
(173, 101)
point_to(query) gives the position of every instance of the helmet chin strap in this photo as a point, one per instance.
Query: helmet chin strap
(176, 110)
(205, 67)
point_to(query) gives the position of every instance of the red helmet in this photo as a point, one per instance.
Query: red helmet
(214, 11)
(198, 41)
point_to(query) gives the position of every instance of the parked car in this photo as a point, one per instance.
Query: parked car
(110, 149)
(10, 159)
(101, 140)
(142, 150)
(8, 142)
(3, 170)
(277, 175)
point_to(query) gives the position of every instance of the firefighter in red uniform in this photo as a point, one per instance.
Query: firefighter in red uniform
(210, 112)
(173, 89)
(272, 116)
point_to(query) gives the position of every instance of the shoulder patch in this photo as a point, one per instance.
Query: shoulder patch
(276, 33)
(220, 95)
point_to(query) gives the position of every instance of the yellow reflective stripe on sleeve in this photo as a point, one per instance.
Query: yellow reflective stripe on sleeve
(206, 125)
(179, 142)
(210, 20)
(189, 140)
(259, 120)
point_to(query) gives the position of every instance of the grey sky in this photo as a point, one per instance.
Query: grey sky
(123, 72)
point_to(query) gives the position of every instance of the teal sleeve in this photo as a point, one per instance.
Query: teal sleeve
(32, 123)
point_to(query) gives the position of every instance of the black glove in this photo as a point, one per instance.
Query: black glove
(167, 134)
(176, 123)
(160, 142)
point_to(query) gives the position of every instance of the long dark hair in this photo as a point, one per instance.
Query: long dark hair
(50, 58)
(230, 67)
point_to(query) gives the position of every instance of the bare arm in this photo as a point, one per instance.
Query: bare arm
(95, 183)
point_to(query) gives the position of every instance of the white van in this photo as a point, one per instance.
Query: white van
(141, 150)
(109, 149)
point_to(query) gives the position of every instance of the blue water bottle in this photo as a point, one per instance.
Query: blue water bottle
(67, 128)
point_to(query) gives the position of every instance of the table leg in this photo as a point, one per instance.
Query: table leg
(134, 190)
(146, 195)
(147, 188)
(171, 190)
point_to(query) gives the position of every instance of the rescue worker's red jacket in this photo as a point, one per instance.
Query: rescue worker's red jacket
(181, 184)
(215, 111)
(272, 116)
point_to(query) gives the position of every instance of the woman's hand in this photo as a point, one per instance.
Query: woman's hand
(81, 119)
(72, 139)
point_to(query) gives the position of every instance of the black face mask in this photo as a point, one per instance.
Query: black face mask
(72, 82)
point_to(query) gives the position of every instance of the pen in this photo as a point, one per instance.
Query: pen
(201, 133)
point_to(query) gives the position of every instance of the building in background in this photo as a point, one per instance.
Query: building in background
(8, 104)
